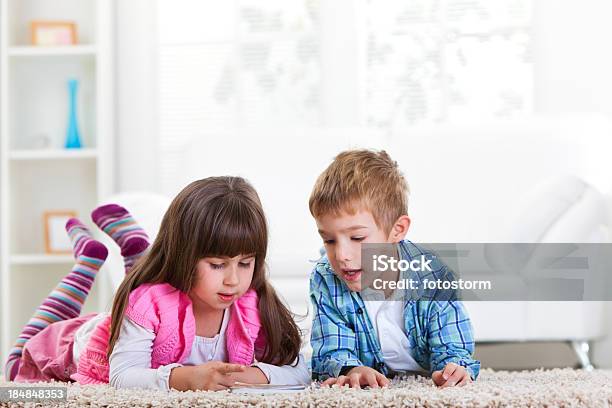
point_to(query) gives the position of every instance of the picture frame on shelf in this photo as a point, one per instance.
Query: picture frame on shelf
(56, 239)
(53, 33)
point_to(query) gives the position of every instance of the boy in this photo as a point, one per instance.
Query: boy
(360, 198)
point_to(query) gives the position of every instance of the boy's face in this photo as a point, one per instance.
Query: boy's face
(343, 235)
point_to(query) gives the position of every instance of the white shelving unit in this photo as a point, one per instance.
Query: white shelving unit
(35, 179)
(33, 51)
(53, 154)
(41, 259)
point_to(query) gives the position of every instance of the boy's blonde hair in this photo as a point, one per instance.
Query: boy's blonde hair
(367, 179)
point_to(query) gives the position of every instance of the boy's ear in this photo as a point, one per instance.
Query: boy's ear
(399, 229)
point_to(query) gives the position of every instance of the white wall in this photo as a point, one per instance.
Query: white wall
(573, 66)
(572, 56)
(137, 119)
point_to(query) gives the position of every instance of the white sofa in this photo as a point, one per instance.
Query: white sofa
(544, 180)
(490, 182)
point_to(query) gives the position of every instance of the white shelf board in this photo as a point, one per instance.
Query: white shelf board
(41, 259)
(48, 51)
(53, 154)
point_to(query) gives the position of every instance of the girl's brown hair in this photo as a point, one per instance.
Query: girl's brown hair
(216, 216)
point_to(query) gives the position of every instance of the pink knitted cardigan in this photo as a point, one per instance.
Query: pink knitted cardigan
(168, 312)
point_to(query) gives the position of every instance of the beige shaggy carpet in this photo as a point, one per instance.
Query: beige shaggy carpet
(548, 388)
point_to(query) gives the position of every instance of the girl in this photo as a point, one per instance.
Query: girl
(195, 312)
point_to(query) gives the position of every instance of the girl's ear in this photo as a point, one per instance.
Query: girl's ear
(399, 229)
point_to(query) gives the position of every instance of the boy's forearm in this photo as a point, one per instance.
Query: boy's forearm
(333, 365)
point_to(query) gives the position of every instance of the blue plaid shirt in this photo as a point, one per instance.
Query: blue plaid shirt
(439, 332)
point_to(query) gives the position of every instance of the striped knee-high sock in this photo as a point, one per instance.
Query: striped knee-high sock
(66, 300)
(119, 224)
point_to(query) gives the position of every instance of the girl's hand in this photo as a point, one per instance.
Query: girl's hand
(453, 374)
(215, 375)
(211, 376)
(359, 376)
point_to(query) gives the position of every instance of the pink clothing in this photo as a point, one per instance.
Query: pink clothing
(48, 355)
(168, 312)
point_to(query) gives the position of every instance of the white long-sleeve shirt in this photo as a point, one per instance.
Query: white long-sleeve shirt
(130, 361)
(387, 318)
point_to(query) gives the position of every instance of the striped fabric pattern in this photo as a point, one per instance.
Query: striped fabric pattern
(66, 300)
(119, 224)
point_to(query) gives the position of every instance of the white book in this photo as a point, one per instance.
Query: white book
(244, 388)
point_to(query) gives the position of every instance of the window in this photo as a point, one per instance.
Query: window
(316, 64)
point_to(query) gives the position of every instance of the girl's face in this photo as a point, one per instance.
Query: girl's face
(222, 280)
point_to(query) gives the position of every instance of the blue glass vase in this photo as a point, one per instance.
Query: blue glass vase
(73, 136)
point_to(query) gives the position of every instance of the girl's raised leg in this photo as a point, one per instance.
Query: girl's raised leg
(119, 224)
(66, 300)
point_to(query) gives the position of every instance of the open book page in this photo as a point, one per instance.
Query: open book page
(265, 388)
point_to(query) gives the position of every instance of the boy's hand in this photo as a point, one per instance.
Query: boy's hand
(453, 374)
(359, 376)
